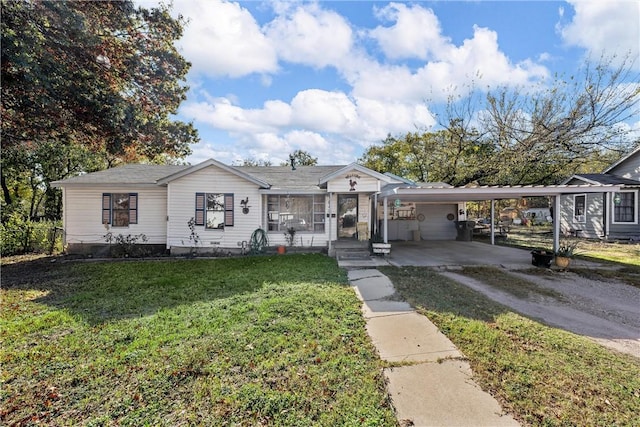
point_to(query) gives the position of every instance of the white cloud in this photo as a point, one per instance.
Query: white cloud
(224, 39)
(609, 27)
(310, 35)
(323, 111)
(416, 32)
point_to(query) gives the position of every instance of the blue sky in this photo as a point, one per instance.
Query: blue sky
(333, 78)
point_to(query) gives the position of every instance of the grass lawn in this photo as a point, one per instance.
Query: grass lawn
(243, 341)
(627, 254)
(542, 375)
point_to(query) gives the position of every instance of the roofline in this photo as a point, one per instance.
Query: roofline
(495, 192)
(212, 162)
(358, 167)
(581, 178)
(613, 166)
(106, 185)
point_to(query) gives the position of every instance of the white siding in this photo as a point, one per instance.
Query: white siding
(361, 183)
(182, 194)
(630, 168)
(83, 214)
(592, 227)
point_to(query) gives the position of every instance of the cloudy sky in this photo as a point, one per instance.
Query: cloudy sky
(332, 78)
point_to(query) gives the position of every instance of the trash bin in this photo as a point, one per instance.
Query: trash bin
(465, 230)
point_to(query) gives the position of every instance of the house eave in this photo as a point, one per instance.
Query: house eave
(460, 194)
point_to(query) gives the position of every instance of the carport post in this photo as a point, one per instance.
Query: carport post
(556, 223)
(493, 227)
(386, 216)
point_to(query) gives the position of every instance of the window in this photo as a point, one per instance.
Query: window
(120, 209)
(301, 212)
(625, 207)
(214, 210)
(579, 207)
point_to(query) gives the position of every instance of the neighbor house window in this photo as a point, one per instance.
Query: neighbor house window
(214, 210)
(579, 207)
(301, 212)
(120, 209)
(625, 207)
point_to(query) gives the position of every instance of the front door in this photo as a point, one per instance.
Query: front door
(347, 216)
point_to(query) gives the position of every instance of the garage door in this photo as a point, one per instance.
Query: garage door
(436, 225)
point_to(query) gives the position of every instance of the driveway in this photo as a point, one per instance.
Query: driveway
(450, 252)
(607, 312)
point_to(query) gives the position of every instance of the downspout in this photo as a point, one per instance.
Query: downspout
(386, 225)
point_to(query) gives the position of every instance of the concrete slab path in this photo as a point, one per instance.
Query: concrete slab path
(436, 388)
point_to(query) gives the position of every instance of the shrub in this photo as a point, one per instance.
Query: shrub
(19, 235)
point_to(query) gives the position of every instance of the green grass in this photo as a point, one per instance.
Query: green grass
(542, 375)
(626, 254)
(509, 283)
(245, 341)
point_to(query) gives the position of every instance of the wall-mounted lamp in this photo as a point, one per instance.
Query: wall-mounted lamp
(244, 203)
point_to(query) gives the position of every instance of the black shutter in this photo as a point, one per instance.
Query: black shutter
(199, 218)
(228, 210)
(106, 208)
(133, 208)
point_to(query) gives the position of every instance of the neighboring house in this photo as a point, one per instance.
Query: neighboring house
(223, 205)
(611, 215)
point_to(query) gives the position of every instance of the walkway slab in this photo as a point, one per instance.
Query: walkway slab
(442, 394)
(409, 337)
(438, 390)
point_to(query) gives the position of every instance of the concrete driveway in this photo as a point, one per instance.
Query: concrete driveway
(450, 252)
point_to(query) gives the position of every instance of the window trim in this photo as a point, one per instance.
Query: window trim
(107, 209)
(635, 207)
(314, 214)
(201, 210)
(576, 218)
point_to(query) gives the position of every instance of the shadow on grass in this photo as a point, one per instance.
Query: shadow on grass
(102, 291)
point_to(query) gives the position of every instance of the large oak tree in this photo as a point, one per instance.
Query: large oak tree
(86, 85)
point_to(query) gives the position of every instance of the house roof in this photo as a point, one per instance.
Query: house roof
(303, 178)
(354, 166)
(622, 160)
(603, 178)
(211, 162)
(127, 174)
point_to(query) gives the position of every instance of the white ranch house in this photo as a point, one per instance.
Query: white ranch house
(228, 203)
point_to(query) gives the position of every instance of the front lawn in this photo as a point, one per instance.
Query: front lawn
(543, 376)
(245, 341)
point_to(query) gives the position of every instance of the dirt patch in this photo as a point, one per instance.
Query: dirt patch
(606, 312)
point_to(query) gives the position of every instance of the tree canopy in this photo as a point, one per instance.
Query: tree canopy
(86, 85)
(518, 136)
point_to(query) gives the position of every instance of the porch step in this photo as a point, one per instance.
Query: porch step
(342, 254)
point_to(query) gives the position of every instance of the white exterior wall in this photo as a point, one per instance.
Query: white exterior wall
(182, 204)
(82, 214)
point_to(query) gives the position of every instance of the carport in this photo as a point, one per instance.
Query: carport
(445, 194)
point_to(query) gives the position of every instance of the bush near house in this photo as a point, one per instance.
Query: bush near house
(20, 236)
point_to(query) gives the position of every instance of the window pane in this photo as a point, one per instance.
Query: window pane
(579, 203)
(215, 211)
(624, 207)
(120, 209)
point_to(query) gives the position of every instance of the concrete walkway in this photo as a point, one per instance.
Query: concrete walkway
(435, 387)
